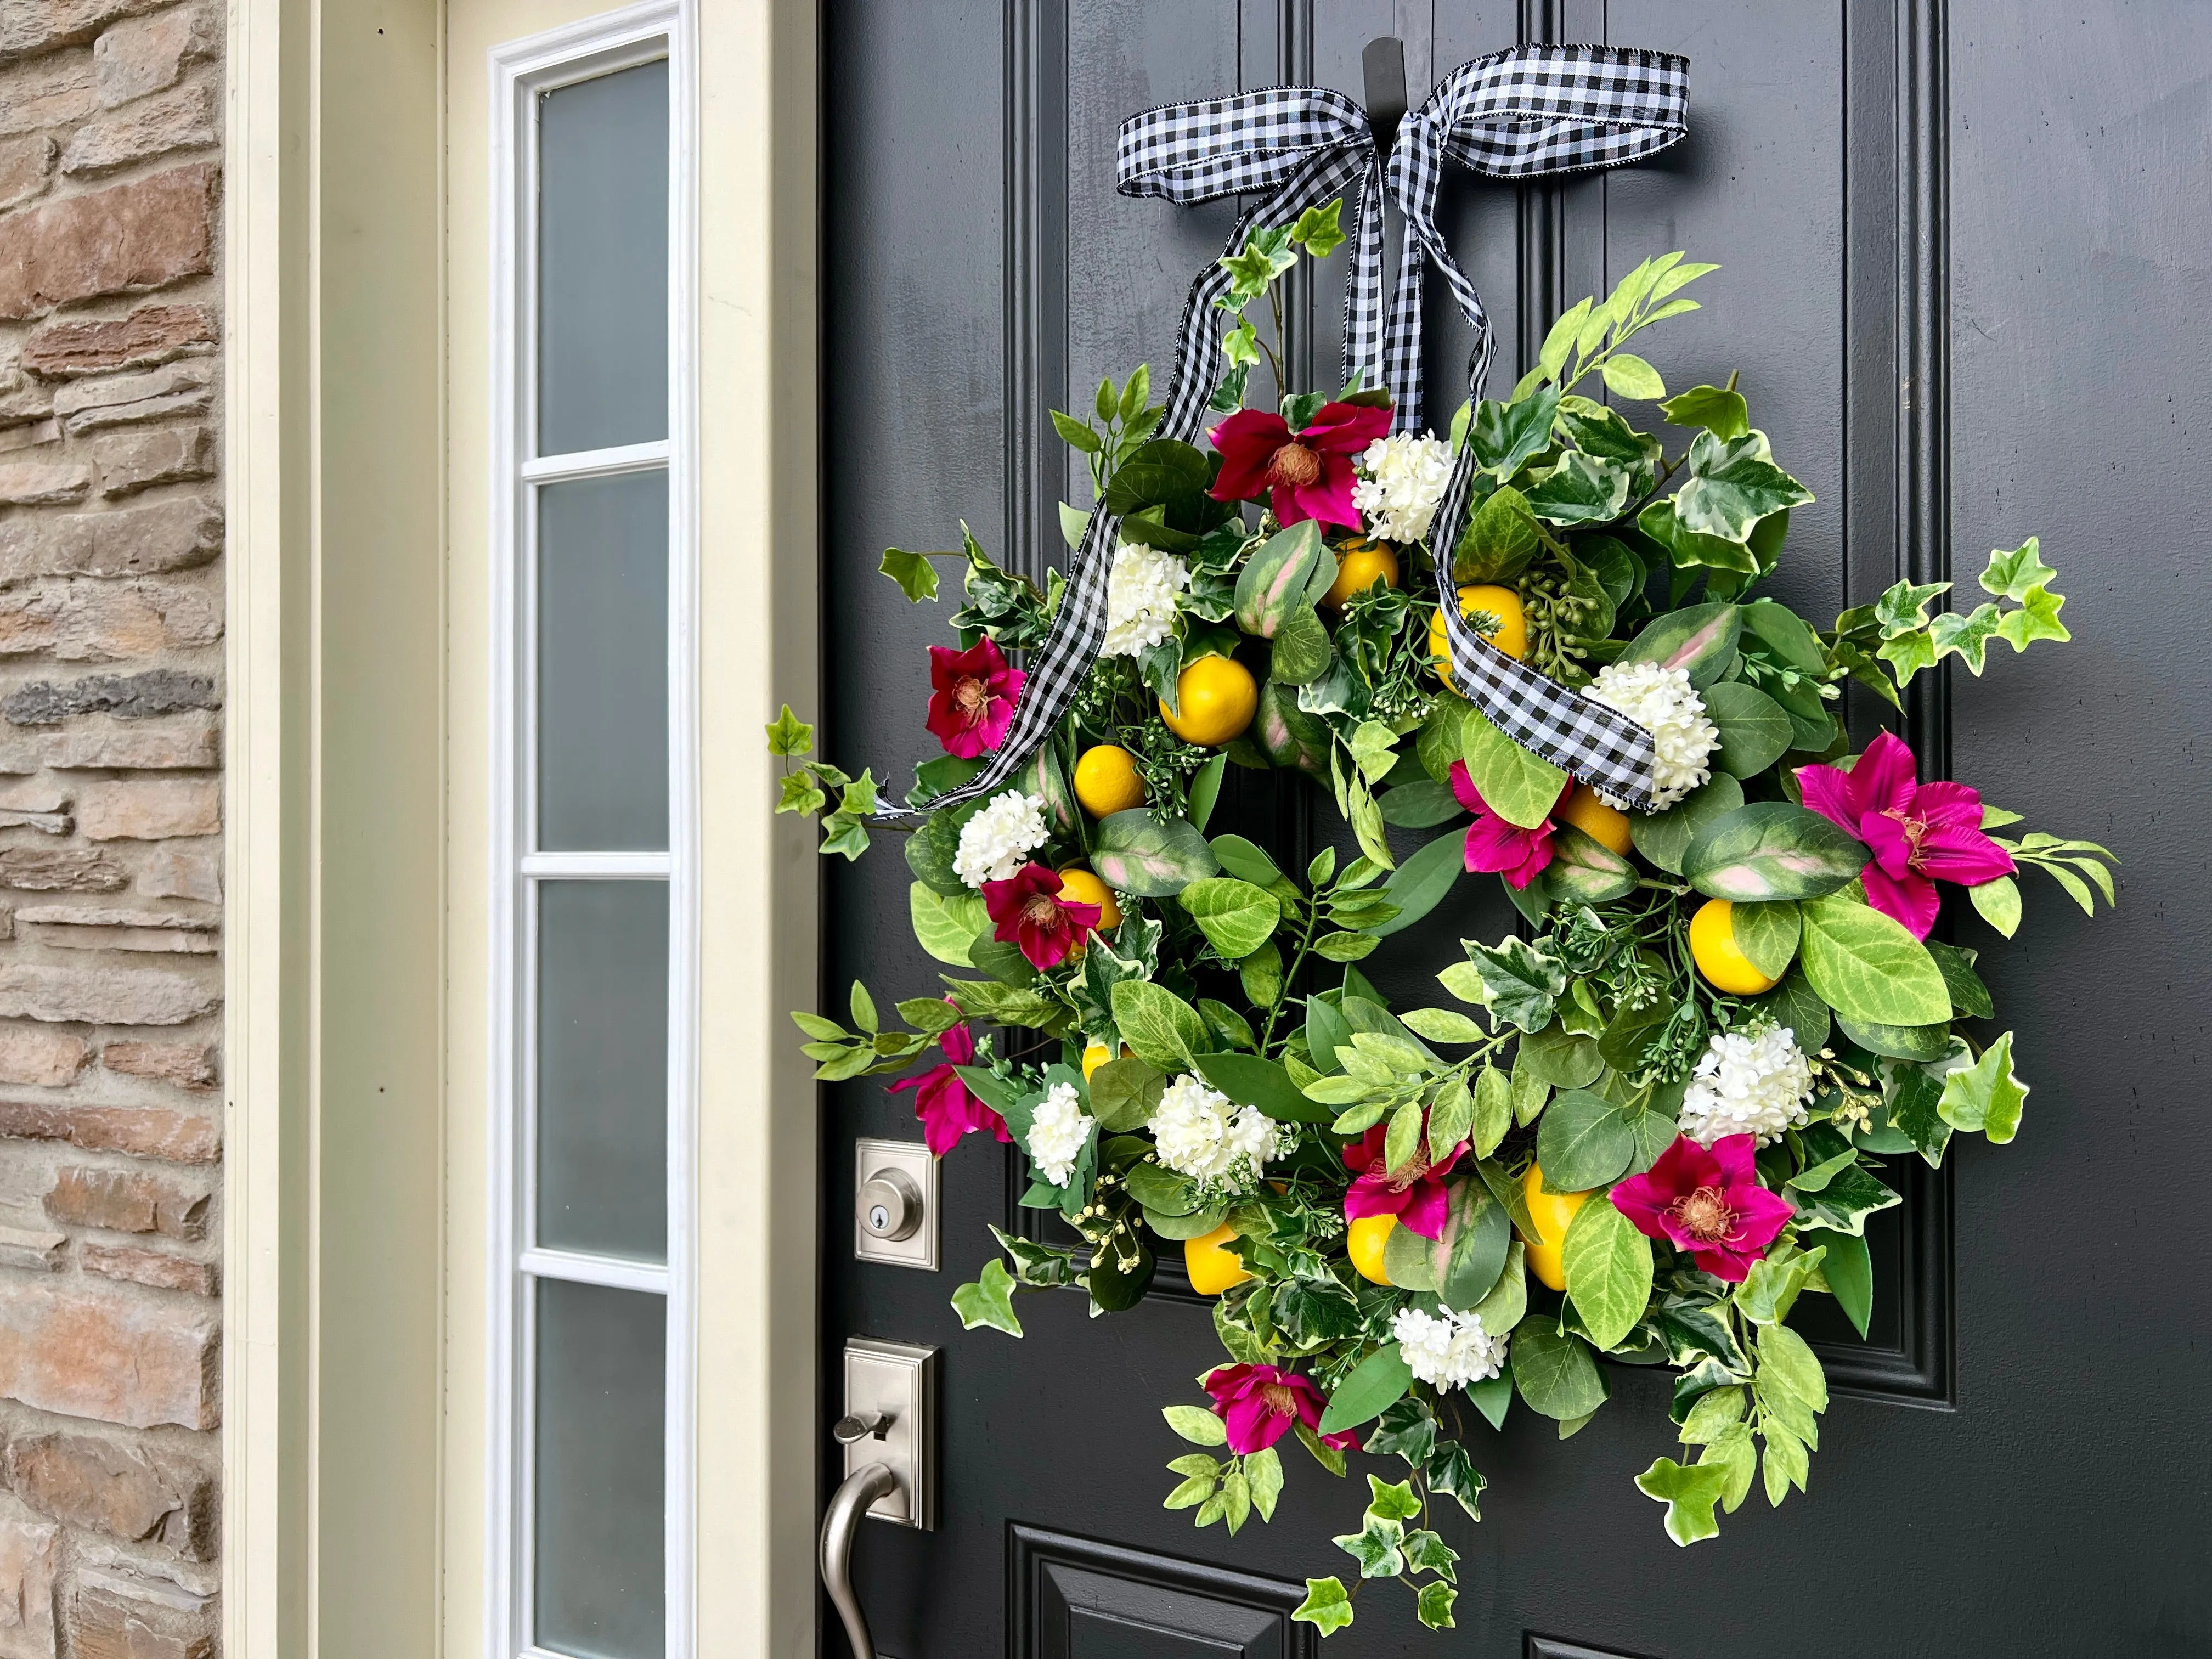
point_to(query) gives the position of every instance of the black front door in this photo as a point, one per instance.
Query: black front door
(1965, 249)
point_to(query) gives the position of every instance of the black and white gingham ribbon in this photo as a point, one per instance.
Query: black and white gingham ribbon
(1524, 112)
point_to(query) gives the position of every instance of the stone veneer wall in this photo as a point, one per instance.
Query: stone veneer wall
(111, 670)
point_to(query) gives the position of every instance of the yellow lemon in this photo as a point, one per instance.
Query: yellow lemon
(1366, 1240)
(1094, 1055)
(1106, 781)
(1218, 697)
(1550, 1211)
(1357, 565)
(1079, 886)
(1213, 1266)
(1719, 959)
(1607, 825)
(1503, 603)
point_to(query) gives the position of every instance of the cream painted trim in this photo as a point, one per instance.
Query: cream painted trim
(265, 1338)
(333, 929)
(760, 573)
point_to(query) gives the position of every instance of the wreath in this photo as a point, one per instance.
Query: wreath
(1640, 1128)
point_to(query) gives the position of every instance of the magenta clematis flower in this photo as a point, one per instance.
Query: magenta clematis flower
(971, 700)
(1307, 475)
(1415, 1194)
(948, 1108)
(1709, 1203)
(1030, 913)
(1258, 1403)
(1495, 844)
(1920, 833)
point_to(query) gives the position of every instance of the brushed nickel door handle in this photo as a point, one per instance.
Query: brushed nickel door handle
(847, 1506)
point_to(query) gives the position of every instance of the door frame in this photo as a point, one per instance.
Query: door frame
(355, 1348)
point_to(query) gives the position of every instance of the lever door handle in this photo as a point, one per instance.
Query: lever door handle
(847, 1506)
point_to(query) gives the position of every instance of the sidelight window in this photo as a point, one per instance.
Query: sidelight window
(594, 870)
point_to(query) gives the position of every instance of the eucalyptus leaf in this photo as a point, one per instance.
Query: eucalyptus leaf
(1583, 1141)
(1664, 837)
(1754, 733)
(1556, 1372)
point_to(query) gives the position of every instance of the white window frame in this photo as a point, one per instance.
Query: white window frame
(520, 70)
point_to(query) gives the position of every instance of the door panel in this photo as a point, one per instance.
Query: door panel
(1960, 274)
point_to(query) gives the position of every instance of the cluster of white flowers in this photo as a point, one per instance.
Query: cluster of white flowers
(1404, 481)
(1140, 598)
(1751, 1082)
(1447, 1350)
(997, 841)
(1660, 701)
(1058, 1131)
(1201, 1134)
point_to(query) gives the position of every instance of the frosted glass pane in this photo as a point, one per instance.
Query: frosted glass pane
(602, 1368)
(603, 262)
(603, 1067)
(603, 664)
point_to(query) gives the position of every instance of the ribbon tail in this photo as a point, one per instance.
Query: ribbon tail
(1364, 348)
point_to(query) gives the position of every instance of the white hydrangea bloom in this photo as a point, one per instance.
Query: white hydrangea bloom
(1403, 486)
(1202, 1134)
(1661, 701)
(997, 841)
(1448, 1349)
(1751, 1082)
(1140, 598)
(1057, 1133)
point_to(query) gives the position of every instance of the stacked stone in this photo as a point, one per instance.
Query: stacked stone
(111, 670)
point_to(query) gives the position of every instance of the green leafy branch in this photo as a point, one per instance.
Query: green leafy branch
(1126, 418)
(2065, 862)
(1254, 270)
(806, 788)
(1228, 1490)
(1589, 336)
(841, 1054)
(1900, 632)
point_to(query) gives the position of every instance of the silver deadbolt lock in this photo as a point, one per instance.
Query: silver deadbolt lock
(894, 1203)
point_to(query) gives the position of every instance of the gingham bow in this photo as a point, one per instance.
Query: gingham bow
(1524, 112)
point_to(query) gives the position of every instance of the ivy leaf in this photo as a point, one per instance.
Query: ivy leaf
(989, 1301)
(1967, 636)
(1327, 1607)
(1915, 1109)
(1452, 1473)
(2036, 619)
(1375, 1547)
(1264, 255)
(1425, 1551)
(1720, 411)
(1770, 1290)
(913, 571)
(788, 734)
(1986, 1095)
(1317, 230)
(1689, 1495)
(1904, 608)
(2015, 573)
(1733, 484)
(1521, 984)
(1391, 1500)
(1580, 489)
(1505, 435)
(1434, 1604)
(800, 793)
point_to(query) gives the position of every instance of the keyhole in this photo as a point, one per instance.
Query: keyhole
(879, 1219)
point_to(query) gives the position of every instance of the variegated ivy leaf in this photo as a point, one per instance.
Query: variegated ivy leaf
(1987, 1096)
(2013, 574)
(988, 1300)
(1522, 984)
(1328, 1606)
(1689, 1495)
